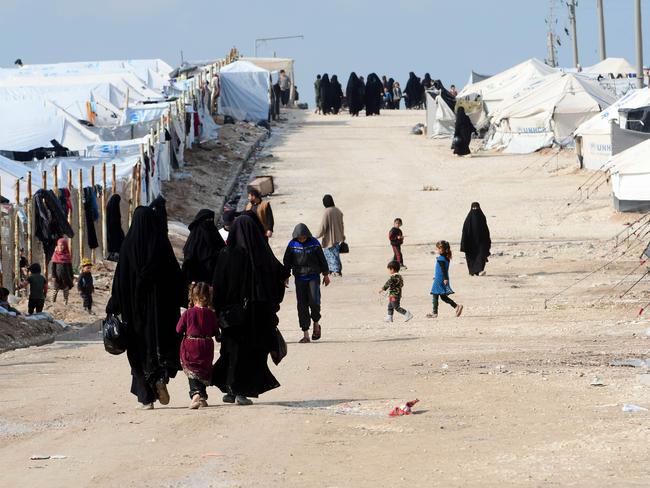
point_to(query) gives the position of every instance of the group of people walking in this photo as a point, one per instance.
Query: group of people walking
(231, 289)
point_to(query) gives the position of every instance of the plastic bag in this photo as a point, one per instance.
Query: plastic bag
(114, 335)
(406, 409)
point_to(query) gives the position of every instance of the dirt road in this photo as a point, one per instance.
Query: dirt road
(505, 391)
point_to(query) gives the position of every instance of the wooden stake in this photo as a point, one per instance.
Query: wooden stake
(44, 177)
(104, 236)
(114, 180)
(30, 209)
(132, 195)
(56, 180)
(81, 222)
(92, 185)
(138, 196)
(16, 262)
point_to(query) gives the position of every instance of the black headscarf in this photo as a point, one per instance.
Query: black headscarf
(427, 81)
(374, 91)
(114, 232)
(159, 206)
(301, 230)
(462, 132)
(202, 248)
(148, 291)
(354, 92)
(445, 94)
(337, 94)
(476, 234)
(328, 201)
(412, 90)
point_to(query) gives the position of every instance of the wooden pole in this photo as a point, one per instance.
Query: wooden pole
(132, 194)
(44, 177)
(70, 188)
(16, 263)
(45, 266)
(114, 180)
(30, 209)
(80, 204)
(139, 180)
(56, 180)
(2, 282)
(104, 236)
(92, 185)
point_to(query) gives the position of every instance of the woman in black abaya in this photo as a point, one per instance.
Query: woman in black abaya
(374, 91)
(354, 94)
(476, 242)
(462, 133)
(202, 248)
(326, 94)
(249, 284)
(337, 94)
(148, 291)
(412, 91)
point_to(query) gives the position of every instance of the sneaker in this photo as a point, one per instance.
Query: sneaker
(408, 316)
(228, 398)
(144, 406)
(242, 400)
(163, 394)
(196, 402)
(304, 340)
(388, 318)
(432, 315)
(459, 310)
(203, 403)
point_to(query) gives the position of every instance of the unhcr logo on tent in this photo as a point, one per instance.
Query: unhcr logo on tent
(531, 130)
(600, 148)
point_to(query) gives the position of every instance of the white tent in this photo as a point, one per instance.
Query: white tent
(546, 114)
(630, 173)
(615, 66)
(495, 89)
(273, 65)
(593, 137)
(245, 91)
(440, 118)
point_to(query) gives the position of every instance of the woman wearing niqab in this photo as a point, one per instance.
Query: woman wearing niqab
(374, 91)
(412, 91)
(475, 241)
(248, 284)
(148, 291)
(326, 94)
(354, 94)
(337, 94)
(427, 82)
(202, 248)
(462, 133)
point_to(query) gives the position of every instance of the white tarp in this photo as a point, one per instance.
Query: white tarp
(611, 66)
(495, 89)
(441, 119)
(244, 91)
(595, 147)
(546, 114)
(630, 172)
(144, 113)
(275, 65)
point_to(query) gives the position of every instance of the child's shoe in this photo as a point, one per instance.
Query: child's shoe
(144, 406)
(228, 398)
(432, 315)
(408, 316)
(388, 318)
(196, 402)
(459, 310)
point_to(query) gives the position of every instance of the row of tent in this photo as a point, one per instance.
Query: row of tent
(532, 106)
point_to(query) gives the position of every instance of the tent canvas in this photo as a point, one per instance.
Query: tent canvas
(275, 64)
(615, 66)
(630, 176)
(244, 91)
(546, 114)
(440, 118)
(594, 145)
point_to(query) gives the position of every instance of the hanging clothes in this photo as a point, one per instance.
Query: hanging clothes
(114, 232)
(89, 214)
(50, 221)
(64, 200)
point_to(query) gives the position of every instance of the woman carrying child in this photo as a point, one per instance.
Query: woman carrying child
(62, 270)
(441, 288)
(199, 325)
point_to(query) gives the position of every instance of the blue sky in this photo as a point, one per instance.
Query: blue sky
(444, 38)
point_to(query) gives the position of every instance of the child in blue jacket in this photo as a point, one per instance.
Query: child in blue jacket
(441, 289)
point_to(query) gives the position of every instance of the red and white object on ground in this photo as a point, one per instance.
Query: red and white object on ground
(406, 409)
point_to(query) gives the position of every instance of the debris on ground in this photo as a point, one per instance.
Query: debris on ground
(630, 407)
(406, 409)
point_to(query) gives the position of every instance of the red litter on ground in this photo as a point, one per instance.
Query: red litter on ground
(406, 409)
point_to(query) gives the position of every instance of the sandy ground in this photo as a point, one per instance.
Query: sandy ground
(505, 391)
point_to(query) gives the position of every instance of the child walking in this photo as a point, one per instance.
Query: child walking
(441, 288)
(394, 286)
(37, 289)
(199, 325)
(396, 239)
(62, 270)
(86, 286)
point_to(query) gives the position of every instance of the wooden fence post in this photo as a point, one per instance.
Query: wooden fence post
(104, 236)
(16, 256)
(30, 220)
(80, 204)
(93, 254)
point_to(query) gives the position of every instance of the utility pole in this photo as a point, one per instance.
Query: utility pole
(601, 25)
(574, 30)
(639, 44)
(551, 22)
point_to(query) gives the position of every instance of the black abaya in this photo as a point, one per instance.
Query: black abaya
(462, 133)
(412, 91)
(248, 272)
(354, 94)
(326, 94)
(475, 241)
(148, 291)
(114, 232)
(202, 248)
(337, 94)
(374, 91)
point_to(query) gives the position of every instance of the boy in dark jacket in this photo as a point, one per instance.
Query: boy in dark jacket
(305, 258)
(86, 286)
(396, 238)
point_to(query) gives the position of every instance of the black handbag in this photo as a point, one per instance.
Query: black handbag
(114, 334)
(344, 248)
(233, 315)
(280, 351)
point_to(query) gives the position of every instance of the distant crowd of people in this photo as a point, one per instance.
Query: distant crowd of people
(374, 93)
